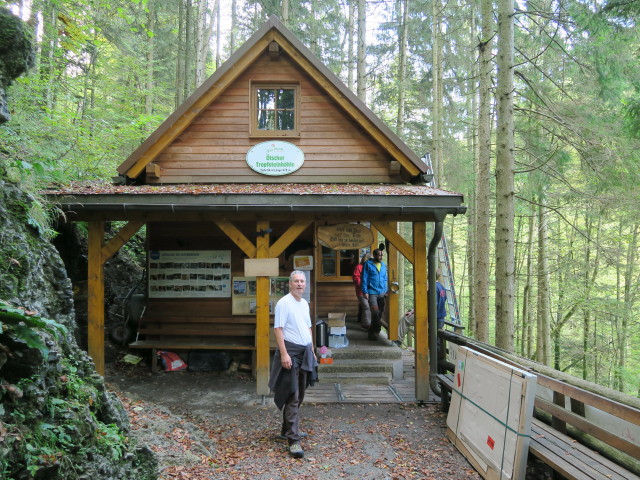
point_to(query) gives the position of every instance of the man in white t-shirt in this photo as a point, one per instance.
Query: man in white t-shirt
(294, 364)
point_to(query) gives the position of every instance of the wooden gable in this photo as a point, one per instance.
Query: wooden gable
(206, 140)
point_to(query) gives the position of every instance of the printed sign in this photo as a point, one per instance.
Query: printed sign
(189, 274)
(345, 236)
(275, 158)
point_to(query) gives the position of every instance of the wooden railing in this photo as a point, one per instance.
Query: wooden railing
(580, 429)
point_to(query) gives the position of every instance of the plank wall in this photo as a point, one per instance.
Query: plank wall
(207, 236)
(336, 297)
(213, 148)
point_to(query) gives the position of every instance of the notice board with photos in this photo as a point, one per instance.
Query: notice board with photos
(244, 294)
(189, 273)
(489, 419)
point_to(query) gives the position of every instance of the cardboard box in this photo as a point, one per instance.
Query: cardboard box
(337, 330)
(336, 319)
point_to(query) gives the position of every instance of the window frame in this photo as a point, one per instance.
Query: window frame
(320, 277)
(254, 131)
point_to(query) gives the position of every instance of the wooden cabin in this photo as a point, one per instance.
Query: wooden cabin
(272, 164)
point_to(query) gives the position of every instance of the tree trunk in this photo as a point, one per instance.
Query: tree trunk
(350, 53)
(204, 25)
(361, 70)
(483, 180)
(285, 12)
(527, 330)
(180, 61)
(151, 20)
(505, 281)
(218, 36)
(543, 351)
(234, 26)
(189, 48)
(437, 148)
(47, 64)
(402, 66)
(629, 297)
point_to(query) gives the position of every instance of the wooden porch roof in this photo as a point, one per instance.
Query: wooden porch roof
(88, 201)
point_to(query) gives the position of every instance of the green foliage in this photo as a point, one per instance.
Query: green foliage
(64, 431)
(25, 325)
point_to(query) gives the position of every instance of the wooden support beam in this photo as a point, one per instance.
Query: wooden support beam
(119, 239)
(153, 170)
(237, 237)
(393, 300)
(287, 237)
(390, 233)
(95, 303)
(420, 309)
(262, 314)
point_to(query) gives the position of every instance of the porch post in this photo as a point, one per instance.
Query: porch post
(262, 313)
(95, 285)
(420, 309)
(393, 300)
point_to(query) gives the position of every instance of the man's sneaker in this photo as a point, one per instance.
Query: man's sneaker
(295, 449)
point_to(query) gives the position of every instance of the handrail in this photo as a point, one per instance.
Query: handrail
(561, 416)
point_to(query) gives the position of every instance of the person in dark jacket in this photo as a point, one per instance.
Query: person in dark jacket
(294, 365)
(374, 288)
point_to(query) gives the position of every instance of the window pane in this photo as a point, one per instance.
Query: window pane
(328, 262)
(266, 99)
(348, 261)
(266, 120)
(285, 120)
(286, 98)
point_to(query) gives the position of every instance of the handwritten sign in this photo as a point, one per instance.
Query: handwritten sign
(345, 236)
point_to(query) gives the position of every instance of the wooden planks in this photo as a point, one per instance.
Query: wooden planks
(570, 458)
(336, 148)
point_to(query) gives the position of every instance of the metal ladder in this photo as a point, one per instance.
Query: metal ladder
(443, 260)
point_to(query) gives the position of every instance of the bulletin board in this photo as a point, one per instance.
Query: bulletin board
(244, 294)
(189, 274)
(489, 419)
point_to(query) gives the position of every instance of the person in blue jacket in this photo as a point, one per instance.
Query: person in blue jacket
(374, 288)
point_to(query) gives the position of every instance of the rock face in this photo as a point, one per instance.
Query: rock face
(16, 54)
(57, 420)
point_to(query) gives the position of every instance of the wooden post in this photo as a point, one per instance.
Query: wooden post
(420, 309)
(393, 298)
(95, 284)
(262, 313)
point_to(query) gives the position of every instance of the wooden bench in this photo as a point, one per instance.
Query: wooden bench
(174, 332)
(565, 455)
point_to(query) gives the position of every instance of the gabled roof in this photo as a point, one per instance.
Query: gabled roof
(272, 30)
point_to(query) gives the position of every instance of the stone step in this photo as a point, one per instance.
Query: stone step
(354, 366)
(356, 378)
(388, 353)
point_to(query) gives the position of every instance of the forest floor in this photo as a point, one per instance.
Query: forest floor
(213, 426)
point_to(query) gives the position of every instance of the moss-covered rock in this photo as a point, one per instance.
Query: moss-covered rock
(57, 420)
(16, 54)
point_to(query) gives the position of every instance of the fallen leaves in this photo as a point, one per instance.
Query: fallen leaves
(354, 441)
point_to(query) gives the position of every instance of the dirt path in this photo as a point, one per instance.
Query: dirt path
(213, 426)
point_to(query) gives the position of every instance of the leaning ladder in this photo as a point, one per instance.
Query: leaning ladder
(443, 260)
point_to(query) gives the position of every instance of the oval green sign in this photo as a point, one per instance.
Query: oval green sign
(275, 158)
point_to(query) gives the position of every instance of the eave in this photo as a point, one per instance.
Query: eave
(201, 202)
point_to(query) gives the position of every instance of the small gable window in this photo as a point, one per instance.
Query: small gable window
(274, 110)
